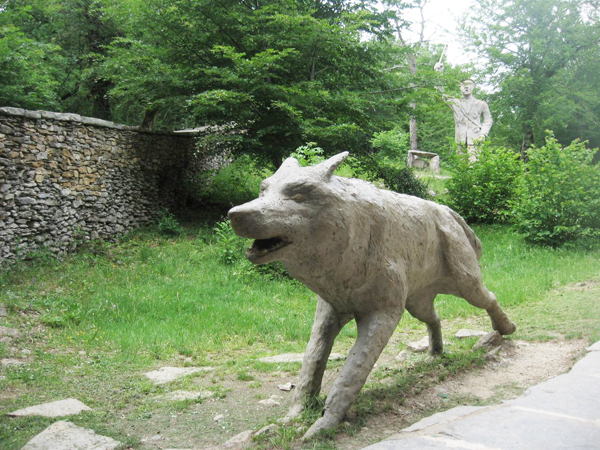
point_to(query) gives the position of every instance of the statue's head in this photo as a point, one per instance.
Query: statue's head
(467, 86)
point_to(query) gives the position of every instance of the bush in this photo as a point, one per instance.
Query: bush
(234, 184)
(484, 191)
(391, 144)
(168, 224)
(231, 251)
(560, 195)
(395, 176)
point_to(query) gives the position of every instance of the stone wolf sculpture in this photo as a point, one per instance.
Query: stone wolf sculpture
(368, 254)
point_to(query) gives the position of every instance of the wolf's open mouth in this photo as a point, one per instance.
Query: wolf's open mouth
(261, 247)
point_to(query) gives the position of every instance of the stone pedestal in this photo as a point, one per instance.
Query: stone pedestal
(424, 160)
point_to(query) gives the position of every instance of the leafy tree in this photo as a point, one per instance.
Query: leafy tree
(543, 58)
(49, 50)
(26, 79)
(285, 72)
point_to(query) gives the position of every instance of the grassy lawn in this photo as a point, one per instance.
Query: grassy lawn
(93, 324)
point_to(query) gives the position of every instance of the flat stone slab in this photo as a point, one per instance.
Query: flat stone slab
(511, 428)
(168, 374)
(6, 362)
(295, 357)
(466, 333)
(426, 443)
(10, 332)
(59, 408)
(442, 417)
(594, 347)
(590, 365)
(68, 436)
(185, 395)
(569, 396)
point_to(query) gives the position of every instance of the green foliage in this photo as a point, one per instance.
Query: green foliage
(560, 198)
(233, 184)
(168, 224)
(50, 52)
(395, 175)
(26, 79)
(230, 247)
(393, 144)
(543, 79)
(484, 191)
(309, 154)
(402, 180)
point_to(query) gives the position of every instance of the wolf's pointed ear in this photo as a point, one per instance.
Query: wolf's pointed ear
(289, 163)
(328, 167)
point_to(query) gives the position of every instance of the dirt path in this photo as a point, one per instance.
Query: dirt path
(519, 366)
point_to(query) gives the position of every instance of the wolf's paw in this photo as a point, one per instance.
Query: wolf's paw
(294, 413)
(322, 424)
(506, 327)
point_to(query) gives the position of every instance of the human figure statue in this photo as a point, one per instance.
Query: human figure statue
(472, 117)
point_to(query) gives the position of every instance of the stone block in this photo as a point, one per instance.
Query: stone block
(68, 436)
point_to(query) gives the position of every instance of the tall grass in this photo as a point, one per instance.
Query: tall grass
(173, 296)
(520, 273)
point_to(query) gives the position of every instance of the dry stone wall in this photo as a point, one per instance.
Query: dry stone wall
(65, 178)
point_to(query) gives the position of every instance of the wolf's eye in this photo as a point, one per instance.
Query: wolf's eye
(298, 198)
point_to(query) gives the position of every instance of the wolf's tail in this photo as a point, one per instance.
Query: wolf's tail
(474, 240)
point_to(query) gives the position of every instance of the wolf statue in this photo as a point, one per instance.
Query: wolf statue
(368, 254)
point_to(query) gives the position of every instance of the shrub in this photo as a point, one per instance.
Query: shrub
(484, 190)
(168, 224)
(230, 247)
(402, 180)
(231, 251)
(234, 184)
(560, 195)
(309, 154)
(391, 144)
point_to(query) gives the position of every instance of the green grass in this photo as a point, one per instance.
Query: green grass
(94, 322)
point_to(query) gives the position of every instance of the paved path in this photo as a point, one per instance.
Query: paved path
(560, 413)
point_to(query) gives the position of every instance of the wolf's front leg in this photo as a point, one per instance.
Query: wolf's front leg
(327, 325)
(374, 331)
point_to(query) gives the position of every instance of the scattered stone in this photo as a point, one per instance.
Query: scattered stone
(168, 374)
(2, 310)
(155, 438)
(9, 332)
(466, 333)
(241, 440)
(286, 387)
(269, 429)
(68, 436)
(59, 408)
(295, 357)
(218, 417)
(490, 341)
(6, 362)
(402, 356)
(272, 401)
(419, 346)
(186, 395)
(492, 355)
(82, 353)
